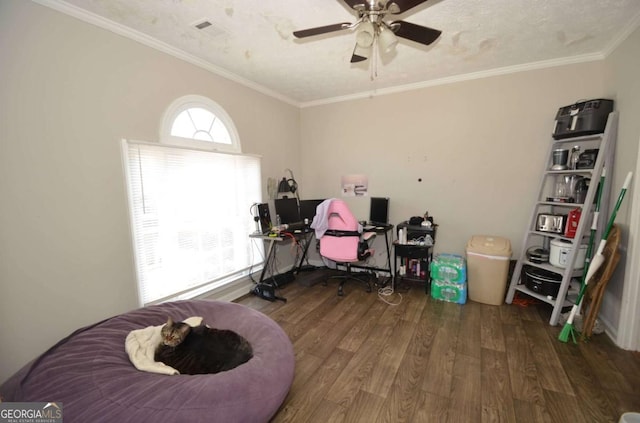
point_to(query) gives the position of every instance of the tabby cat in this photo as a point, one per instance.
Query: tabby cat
(201, 349)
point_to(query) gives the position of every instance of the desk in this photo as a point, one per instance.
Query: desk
(380, 230)
(306, 235)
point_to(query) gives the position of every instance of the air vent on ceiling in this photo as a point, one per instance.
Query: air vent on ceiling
(203, 25)
(207, 27)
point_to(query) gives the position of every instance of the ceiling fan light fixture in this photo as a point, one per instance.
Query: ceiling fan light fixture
(365, 34)
(387, 39)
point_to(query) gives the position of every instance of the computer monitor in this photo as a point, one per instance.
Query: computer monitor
(308, 209)
(287, 209)
(379, 210)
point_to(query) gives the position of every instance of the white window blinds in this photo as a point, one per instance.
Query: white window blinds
(190, 213)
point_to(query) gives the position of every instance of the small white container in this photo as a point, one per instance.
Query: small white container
(559, 254)
(630, 418)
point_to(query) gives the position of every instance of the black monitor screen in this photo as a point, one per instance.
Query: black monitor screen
(308, 208)
(287, 209)
(379, 211)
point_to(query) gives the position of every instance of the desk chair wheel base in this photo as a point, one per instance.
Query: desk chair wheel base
(347, 277)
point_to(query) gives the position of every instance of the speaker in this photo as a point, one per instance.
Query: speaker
(265, 217)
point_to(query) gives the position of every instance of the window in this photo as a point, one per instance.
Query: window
(190, 212)
(196, 121)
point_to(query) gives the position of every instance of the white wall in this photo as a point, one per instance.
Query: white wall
(478, 146)
(622, 78)
(70, 91)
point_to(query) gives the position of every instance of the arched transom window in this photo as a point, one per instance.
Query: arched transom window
(197, 121)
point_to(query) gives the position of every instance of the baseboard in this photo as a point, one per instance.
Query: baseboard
(243, 286)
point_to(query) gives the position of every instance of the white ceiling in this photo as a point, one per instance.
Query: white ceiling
(251, 41)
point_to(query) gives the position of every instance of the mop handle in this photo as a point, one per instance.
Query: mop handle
(596, 213)
(627, 181)
(625, 186)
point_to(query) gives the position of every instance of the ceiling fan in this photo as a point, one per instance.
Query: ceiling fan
(372, 27)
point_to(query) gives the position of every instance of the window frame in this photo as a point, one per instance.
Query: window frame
(256, 258)
(197, 101)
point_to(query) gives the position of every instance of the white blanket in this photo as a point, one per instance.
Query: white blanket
(141, 346)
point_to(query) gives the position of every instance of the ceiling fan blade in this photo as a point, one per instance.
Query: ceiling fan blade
(359, 54)
(321, 30)
(418, 33)
(402, 5)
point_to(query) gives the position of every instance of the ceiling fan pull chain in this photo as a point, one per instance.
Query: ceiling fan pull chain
(374, 62)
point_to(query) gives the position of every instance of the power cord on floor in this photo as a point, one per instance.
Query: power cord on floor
(387, 291)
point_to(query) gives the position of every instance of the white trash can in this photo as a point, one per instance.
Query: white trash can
(487, 268)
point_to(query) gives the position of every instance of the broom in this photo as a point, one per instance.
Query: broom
(564, 335)
(595, 264)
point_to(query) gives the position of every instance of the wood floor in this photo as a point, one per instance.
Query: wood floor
(359, 359)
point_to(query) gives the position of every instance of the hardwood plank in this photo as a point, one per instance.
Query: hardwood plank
(528, 412)
(604, 368)
(491, 336)
(595, 406)
(510, 314)
(295, 311)
(470, 333)
(389, 359)
(522, 369)
(623, 402)
(327, 412)
(426, 360)
(363, 327)
(495, 387)
(465, 390)
(627, 363)
(551, 374)
(365, 408)
(426, 330)
(303, 399)
(441, 359)
(355, 301)
(431, 408)
(563, 408)
(306, 365)
(401, 401)
(359, 368)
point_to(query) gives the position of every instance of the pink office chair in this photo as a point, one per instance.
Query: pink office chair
(344, 243)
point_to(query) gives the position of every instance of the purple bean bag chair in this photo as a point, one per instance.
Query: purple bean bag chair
(89, 372)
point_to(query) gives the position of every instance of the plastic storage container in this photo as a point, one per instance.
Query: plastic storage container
(630, 418)
(487, 268)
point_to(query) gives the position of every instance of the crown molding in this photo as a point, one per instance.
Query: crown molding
(91, 18)
(622, 35)
(461, 78)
